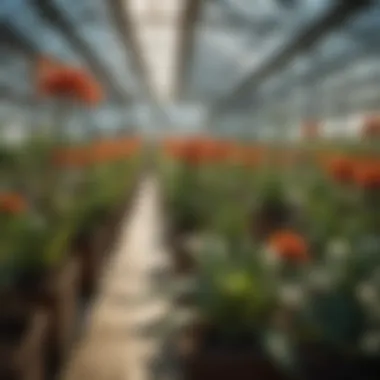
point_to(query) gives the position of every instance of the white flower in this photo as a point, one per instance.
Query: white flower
(38, 220)
(199, 243)
(215, 242)
(366, 293)
(338, 249)
(271, 258)
(320, 279)
(193, 243)
(279, 347)
(370, 342)
(291, 295)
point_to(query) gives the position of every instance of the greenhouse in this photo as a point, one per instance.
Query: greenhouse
(189, 189)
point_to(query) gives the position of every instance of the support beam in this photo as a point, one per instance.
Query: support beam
(12, 39)
(190, 16)
(119, 12)
(55, 17)
(335, 16)
(237, 19)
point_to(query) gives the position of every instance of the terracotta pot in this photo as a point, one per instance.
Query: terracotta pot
(203, 362)
(57, 293)
(23, 345)
(323, 362)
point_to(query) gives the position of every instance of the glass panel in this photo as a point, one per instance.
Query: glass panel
(27, 21)
(14, 72)
(91, 19)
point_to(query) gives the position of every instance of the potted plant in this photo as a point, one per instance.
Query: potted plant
(99, 209)
(184, 200)
(38, 272)
(331, 317)
(272, 210)
(335, 322)
(233, 301)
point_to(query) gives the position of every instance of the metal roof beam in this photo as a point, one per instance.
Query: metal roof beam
(11, 38)
(334, 17)
(53, 15)
(120, 15)
(190, 15)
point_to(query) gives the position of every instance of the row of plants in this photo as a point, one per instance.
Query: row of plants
(281, 247)
(60, 205)
(59, 212)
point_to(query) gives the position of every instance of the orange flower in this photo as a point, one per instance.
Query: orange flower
(250, 156)
(342, 169)
(12, 203)
(371, 127)
(289, 245)
(191, 152)
(71, 157)
(367, 175)
(57, 80)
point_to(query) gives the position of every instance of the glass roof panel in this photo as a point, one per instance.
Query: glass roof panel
(14, 72)
(258, 32)
(8, 7)
(27, 21)
(91, 19)
(339, 52)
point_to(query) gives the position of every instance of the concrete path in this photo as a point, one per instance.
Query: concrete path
(124, 333)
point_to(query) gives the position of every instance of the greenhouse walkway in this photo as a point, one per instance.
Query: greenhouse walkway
(115, 345)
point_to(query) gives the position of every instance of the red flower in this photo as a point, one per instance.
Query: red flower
(191, 153)
(367, 175)
(57, 80)
(342, 169)
(289, 245)
(71, 157)
(12, 203)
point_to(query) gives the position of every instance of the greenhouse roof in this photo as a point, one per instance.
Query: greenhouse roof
(225, 54)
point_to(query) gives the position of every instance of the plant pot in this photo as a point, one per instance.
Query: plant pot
(90, 249)
(203, 361)
(57, 293)
(323, 362)
(269, 220)
(23, 345)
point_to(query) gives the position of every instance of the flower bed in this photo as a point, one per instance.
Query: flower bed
(285, 257)
(59, 214)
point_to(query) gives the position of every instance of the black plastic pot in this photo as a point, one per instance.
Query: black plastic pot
(270, 217)
(323, 362)
(204, 357)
